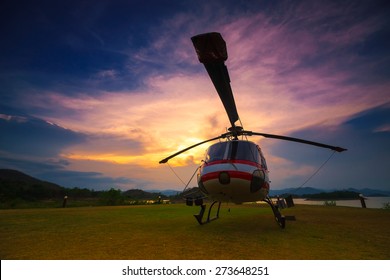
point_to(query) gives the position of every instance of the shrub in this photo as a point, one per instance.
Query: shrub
(330, 203)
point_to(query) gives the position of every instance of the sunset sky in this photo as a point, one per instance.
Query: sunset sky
(95, 93)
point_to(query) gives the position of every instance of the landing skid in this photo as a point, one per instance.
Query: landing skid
(280, 219)
(199, 217)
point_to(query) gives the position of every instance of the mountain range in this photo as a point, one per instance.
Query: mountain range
(302, 191)
(13, 182)
(309, 190)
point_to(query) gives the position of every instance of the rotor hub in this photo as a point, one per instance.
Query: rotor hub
(235, 129)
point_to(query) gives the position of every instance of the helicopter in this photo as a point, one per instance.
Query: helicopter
(233, 170)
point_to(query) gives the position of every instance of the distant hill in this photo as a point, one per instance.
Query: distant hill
(166, 192)
(306, 191)
(18, 185)
(15, 184)
(313, 191)
(142, 195)
(335, 195)
(295, 191)
(11, 175)
(370, 192)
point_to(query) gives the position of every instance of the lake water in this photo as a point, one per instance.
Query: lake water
(371, 202)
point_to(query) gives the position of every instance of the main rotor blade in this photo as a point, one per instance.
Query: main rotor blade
(193, 146)
(334, 148)
(212, 52)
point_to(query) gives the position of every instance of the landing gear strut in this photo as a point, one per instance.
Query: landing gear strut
(280, 219)
(199, 217)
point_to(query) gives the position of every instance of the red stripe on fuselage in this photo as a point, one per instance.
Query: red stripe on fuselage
(233, 174)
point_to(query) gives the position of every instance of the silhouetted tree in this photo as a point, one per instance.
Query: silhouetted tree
(112, 197)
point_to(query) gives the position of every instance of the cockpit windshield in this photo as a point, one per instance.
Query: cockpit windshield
(217, 152)
(233, 150)
(244, 150)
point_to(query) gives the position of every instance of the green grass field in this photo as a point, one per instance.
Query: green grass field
(170, 232)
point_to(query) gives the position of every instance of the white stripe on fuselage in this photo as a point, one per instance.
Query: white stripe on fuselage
(230, 166)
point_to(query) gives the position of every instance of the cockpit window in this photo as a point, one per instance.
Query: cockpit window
(235, 150)
(216, 152)
(244, 150)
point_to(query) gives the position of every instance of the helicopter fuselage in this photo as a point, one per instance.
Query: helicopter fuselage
(234, 171)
